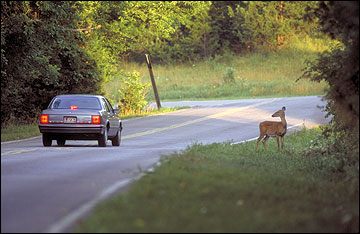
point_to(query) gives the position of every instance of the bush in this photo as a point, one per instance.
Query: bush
(132, 94)
(336, 150)
(340, 66)
(229, 76)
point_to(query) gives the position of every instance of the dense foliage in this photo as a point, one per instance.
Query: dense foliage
(187, 31)
(340, 66)
(270, 25)
(41, 56)
(132, 94)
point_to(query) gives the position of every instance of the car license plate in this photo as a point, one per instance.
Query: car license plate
(69, 119)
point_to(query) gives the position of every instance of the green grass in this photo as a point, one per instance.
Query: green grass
(17, 132)
(152, 112)
(232, 188)
(254, 75)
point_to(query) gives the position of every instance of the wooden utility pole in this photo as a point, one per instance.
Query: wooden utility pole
(153, 81)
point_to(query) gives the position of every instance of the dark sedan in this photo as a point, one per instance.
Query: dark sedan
(80, 117)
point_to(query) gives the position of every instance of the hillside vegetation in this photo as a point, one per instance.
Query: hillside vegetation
(50, 48)
(256, 74)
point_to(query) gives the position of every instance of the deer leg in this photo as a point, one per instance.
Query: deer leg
(258, 140)
(264, 141)
(282, 142)
(277, 140)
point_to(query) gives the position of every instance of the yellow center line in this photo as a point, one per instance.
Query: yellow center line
(197, 120)
(18, 151)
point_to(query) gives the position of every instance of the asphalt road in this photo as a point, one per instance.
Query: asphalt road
(49, 189)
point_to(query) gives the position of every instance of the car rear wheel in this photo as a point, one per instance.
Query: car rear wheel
(103, 138)
(61, 142)
(46, 139)
(116, 140)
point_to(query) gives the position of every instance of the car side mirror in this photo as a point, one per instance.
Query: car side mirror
(116, 111)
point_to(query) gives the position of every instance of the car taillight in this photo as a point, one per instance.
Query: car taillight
(95, 119)
(73, 107)
(44, 119)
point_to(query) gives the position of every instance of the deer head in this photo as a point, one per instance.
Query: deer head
(279, 113)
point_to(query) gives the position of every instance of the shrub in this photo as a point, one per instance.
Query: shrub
(229, 76)
(132, 94)
(336, 150)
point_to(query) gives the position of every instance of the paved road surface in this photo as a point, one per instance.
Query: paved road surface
(48, 189)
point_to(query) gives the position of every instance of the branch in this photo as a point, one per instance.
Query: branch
(82, 29)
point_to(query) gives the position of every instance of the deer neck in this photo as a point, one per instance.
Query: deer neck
(283, 121)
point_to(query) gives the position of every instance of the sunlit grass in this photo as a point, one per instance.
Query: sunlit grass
(155, 111)
(258, 74)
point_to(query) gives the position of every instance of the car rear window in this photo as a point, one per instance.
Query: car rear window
(78, 102)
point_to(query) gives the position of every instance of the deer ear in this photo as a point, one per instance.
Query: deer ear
(283, 108)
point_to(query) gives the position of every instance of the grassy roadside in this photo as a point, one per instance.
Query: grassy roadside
(152, 112)
(17, 132)
(228, 77)
(232, 188)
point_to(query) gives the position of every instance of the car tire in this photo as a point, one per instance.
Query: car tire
(103, 138)
(61, 142)
(117, 139)
(47, 141)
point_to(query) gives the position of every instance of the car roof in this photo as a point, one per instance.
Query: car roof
(79, 95)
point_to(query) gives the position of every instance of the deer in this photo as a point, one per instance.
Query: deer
(273, 128)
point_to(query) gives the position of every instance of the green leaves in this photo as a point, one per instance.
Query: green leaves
(41, 57)
(270, 24)
(141, 26)
(132, 94)
(340, 65)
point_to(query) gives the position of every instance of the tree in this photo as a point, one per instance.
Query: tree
(268, 25)
(223, 34)
(340, 66)
(166, 30)
(40, 58)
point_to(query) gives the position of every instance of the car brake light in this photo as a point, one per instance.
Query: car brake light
(44, 119)
(73, 107)
(96, 119)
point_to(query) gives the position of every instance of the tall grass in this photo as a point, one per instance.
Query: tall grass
(17, 132)
(257, 74)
